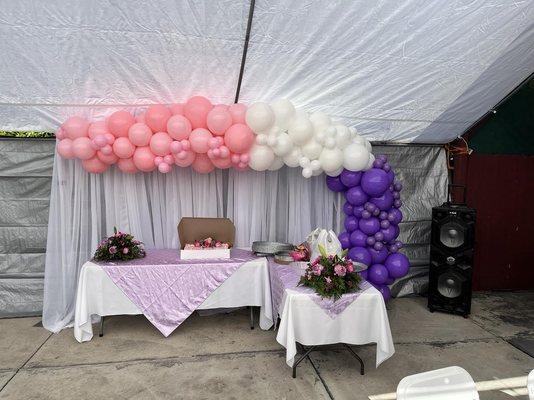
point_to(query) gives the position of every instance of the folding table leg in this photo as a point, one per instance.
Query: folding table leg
(101, 326)
(362, 371)
(296, 363)
(251, 317)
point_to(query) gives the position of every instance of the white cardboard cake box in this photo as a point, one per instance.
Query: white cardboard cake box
(204, 254)
(191, 229)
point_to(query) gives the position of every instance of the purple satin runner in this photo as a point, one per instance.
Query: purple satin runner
(167, 289)
(287, 277)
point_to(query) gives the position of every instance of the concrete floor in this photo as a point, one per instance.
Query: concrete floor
(218, 356)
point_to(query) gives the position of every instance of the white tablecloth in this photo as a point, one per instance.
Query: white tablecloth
(98, 295)
(364, 321)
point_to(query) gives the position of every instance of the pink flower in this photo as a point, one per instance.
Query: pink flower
(125, 250)
(218, 244)
(316, 261)
(340, 270)
(327, 279)
(350, 268)
(112, 250)
(317, 269)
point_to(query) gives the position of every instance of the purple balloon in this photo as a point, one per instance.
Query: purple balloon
(383, 202)
(348, 208)
(350, 178)
(385, 292)
(395, 216)
(379, 236)
(335, 184)
(366, 214)
(375, 182)
(356, 196)
(370, 240)
(391, 176)
(384, 224)
(378, 274)
(393, 248)
(378, 163)
(397, 265)
(364, 274)
(369, 226)
(378, 256)
(358, 238)
(369, 207)
(376, 212)
(398, 186)
(344, 239)
(351, 223)
(387, 167)
(357, 211)
(396, 195)
(399, 244)
(390, 281)
(390, 233)
(383, 215)
(378, 246)
(382, 157)
(397, 203)
(361, 255)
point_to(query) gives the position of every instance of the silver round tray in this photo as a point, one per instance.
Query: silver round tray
(270, 248)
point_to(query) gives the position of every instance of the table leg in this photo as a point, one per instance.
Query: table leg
(296, 363)
(362, 371)
(251, 317)
(101, 326)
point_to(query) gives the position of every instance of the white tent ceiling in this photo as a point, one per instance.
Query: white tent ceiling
(411, 70)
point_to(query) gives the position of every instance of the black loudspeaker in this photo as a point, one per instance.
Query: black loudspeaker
(451, 259)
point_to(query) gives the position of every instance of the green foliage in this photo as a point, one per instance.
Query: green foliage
(27, 134)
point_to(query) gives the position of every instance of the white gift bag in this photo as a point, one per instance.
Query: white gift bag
(325, 238)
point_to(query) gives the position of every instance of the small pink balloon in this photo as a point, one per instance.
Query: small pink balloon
(168, 159)
(178, 127)
(176, 147)
(82, 148)
(222, 163)
(218, 120)
(100, 140)
(239, 138)
(177, 109)
(60, 133)
(139, 134)
(160, 143)
(94, 145)
(221, 106)
(158, 160)
(110, 138)
(210, 153)
(235, 158)
(94, 165)
(107, 158)
(140, 118)
(98, 128)
(127, 165)
(238, 112)
(164, 168)
(199, 140)
(119, 122)
(64, 148)
(107, 150)
(186, 145)
(75, 127)
(202, 164)
(196, 110)
(123, 148)
(244, 158)
(213, 143)
(184, 158)
(143, 159)
(242, 165)
(156, 117)
(225, 152)
(216, 152)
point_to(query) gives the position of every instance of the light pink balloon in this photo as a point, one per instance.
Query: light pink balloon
(235, 158)
(97, 128)
(140, 118)
(123, 148)
(156, 117)
(186, 145)
(60, 133)
(216, 152)
(107, 150)
(119, 122)
(94, 165)
(177, 109)
(64, 148)
(178, 127)
(202, 164)
(213, 143)
(168, 159)
(160, 143)
(94, 145)
(222, 163)
(107, 158)
(238, 112)
(127, 165)
(210, 154)
(75, 127)
(196, 110)
(164, 168)
(140, 134)
(225, 151)
(199, 140)
(219, 120)
(110, 138)
(184, 158)
(100, 140)
(158, 160)
(143, 159)
(176, 147)
(241, 167)
(244, 158)
(239, 138)
(82, 148)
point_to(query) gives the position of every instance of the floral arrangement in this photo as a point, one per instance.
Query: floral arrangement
(301, 253)
(208, 243)
(120, 246)
(331, 276)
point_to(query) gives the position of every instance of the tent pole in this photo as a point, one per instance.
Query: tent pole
(245, 49)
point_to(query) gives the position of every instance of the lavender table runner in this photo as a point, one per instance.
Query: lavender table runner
(287, 277)
(167, 289)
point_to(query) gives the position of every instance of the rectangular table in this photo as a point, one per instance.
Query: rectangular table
(98, 295)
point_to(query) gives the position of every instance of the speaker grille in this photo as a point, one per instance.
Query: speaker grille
(452, 234)
(450, 285)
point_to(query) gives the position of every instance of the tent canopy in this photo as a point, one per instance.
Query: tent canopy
(415, 70)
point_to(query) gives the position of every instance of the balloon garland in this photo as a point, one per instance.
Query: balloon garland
(372, 222)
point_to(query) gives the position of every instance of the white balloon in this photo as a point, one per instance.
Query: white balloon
(292, 158)
(272, 140)
(353, 131)
(330, 143)
(355, 157)
(334, 173)
(320, 120)
(331, 159)
(261, 157)
(300, 130)
(260, 117)
(368, 146)
(358, 140)
(315, 165)
(283, 111)
(276, 164)
(371, 161)
(343, 136)
(320, 137)
(312, 149)
(284, 145)
(331, 131)
(304, 162)
(275, 130)
(261, 139)
(307, 173)
(316, 172)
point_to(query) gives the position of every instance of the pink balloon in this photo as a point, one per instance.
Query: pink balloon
(241, 167)
(94, 145)
(222, 163)
(210, 154)
(184, 158)
(238, 112)
(196, 110)
(100, 140)
(60, 133)
(164, 168)
(244, 158)
(186, 145)
(213, 143)
(143, 159)
(140, 134)
(97, 128)
(119, 122)
(178, 127)
(225, 152)
(110, 138)
(202, 164)
(127, 165)
(158, 160)
(64, 148)
(199, 140)
(107, 150)
(168, 159)
(94, 165)
(176, 147)
(160, 143)
(140, 118)
(107, 158)
(156, 117)
(216, 152)
(123, 148)
(177, 109)
(235, 158)
(239, 138)
(82, 148)
(75, 127)
(219, 120)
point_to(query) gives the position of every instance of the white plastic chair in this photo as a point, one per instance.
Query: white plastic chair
(530, 385)
(441, 384)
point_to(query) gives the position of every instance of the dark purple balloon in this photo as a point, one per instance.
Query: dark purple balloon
(348, 208)
(387, 167)
(397, 265)
(397, 203)
(364, 274)
(383, 215)
(399, 244)
(366, 214)
(390, 233)
(378, 246)
(384, 224)
(378, 274)
(358, 238)
(385, 292)
(398, 186)
(376, 212)
(351, 223)
(369, 226)
(378, 256)
(391, 176)
(344, 239)
(375, 182)
(370, 240)
(393, 248)
(382, 157)
(356, 196)
(361, 255)
(383, 202)
(390, 281)
(335, 184)
(378, 163)
(396, 195)
(350, 178)
(369, 206)
(379, 236)
(395, 216)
